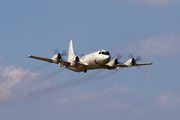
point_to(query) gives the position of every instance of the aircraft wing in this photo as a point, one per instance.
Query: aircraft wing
(41, 58)
(121, 65)
(49, 60)
(64, 63)
(142, 64)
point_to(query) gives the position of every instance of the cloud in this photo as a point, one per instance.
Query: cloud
(115, 99)
(150, 2)
(161, 45)
(19, 83)
(62, 101)
(10, 77)
(119, 102)
(168, 100)
(155, 45)
(153, 1)
(85, 96)
(167, 106)
(117, 88)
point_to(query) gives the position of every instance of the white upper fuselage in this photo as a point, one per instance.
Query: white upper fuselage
(93, 60)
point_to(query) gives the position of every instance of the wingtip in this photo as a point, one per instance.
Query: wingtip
(29, 56)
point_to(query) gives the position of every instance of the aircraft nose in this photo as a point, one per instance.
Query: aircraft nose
(107, 58)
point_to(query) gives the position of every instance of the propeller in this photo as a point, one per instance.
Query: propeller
(77, 59)
(64, 53)
(138, 58)
(130, 55)
(82, 54)
(118, 57)
(56, 51)
(114, 62)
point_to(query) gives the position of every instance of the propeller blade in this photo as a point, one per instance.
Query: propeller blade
(117, 60)
(82, 54)
(75, 52)
(56, 51)
(64, 53)
(138, 58)
(130, 55)
(119, 56)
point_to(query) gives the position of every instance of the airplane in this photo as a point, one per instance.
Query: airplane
(96, 60)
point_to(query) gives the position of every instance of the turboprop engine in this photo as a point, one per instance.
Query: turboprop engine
(112, 64)
(56, 58)
(74, 61)
(132, 60)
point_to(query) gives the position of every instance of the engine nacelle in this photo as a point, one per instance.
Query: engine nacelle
(56, 58)
(74, 61)
(112, 64)
(130, 62)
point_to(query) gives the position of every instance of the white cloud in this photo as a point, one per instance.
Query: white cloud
(168, 100)
(85, 96)
(155, 45)
(10, 77)
(119, 102)
(62, 101)
(110, 100)
(161, 45)
(153, 1)
(117, 89)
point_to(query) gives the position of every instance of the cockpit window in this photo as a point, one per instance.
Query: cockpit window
(107, 53)
(104, 52)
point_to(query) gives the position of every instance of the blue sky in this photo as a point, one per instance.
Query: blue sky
(31, 89)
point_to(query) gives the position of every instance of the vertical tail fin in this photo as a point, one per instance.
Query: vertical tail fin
(71, 51)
